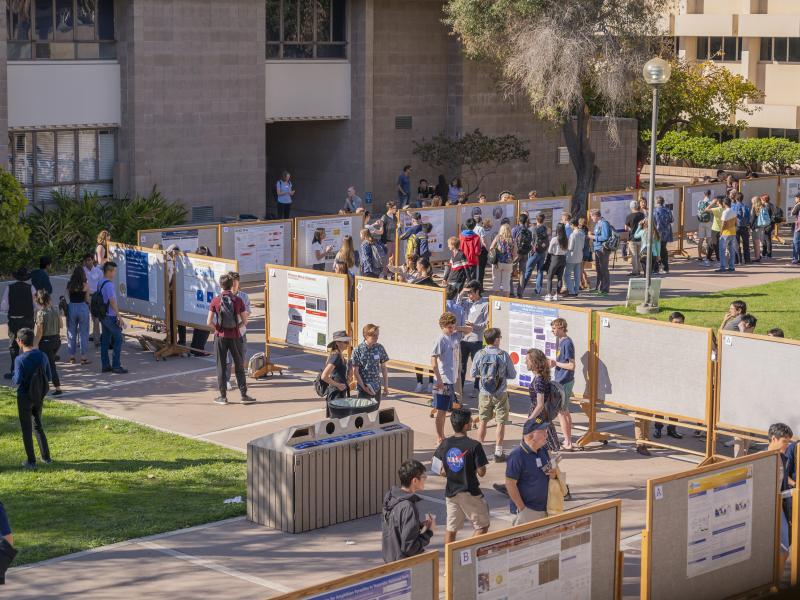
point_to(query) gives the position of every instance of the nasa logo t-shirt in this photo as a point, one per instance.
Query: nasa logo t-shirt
(461, 457)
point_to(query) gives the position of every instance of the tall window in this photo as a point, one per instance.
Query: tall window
(306, 29)
(60, 29)
(789, 134)
(780, 50)
(71, 161)
(719, 49)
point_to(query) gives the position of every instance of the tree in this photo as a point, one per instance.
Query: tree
(571, 59)
(13, 233)
(480, 154)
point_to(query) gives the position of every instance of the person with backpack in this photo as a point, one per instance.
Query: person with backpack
(48, 334)
(558, 261)
(19, 301)
(523, 240)
(603, 245)
(403, 532)
(769, 227)
(572, 271)
(31, 374)
(104, 307)
(704, 229)
(505, 254)
(245, 298)
(494, 367)
(334, 374)
(409, 234)
(227, 315)
(537, 258)
(742, 229)
(469, 243)
(662, 221)
(370, 256)
(564, 375)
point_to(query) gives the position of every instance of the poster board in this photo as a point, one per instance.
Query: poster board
(673, 200)
(335, 226)
(790, 186)
(188, 238)
(255, 244)
(410, 330)
(576, 553)
(682, 389)
(777, 361)
(737, 499)
(196, 284)
(415, 578)
(551, 207)
(526, 324)
(444, 220)
(493, 212)
(692, 194)
(614, 206)
(278, 324)
(140, 281)
(758, 186)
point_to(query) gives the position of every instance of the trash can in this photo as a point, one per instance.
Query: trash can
(339, 408)
(311, 476)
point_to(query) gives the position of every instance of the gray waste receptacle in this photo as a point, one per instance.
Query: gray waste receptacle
(313, 476)
(339, 408)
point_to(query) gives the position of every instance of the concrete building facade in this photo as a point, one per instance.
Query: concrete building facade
(211, 100)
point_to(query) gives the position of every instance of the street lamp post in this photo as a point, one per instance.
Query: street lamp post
(656, 73)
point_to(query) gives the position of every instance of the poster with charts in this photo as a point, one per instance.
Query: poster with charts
(615, 208)
(394, 586)
(529, 327)
(436, 238)
(549, 564)
(258, 245)
(551, 209)
(791, 187)
(720, 508)
(492, 215)
(308, 310)
(201, 284)
(333, 231)
(187, 240)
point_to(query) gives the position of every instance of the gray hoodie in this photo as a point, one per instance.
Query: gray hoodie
(401, 526)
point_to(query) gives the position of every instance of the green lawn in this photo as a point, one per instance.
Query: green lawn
(773, 304)
(110, 481)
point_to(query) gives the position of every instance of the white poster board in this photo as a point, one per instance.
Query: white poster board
(333, 229)
(188, 239)
(790, 186)
(672, 200)
(552, 208)
(492, 215)
(140, 280)
(692, 194)
(616, 207)
(529, 327)
(308, 310)
(196, 285)
(257, 244)
(437, 238)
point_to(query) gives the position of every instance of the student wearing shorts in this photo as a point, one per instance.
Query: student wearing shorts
(463, 461)
(564, 365)
(444, 362)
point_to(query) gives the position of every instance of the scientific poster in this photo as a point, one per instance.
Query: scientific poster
(188, 240)
(720, 520)
(790, 186)
(492, 215)
(616, 208)
(672, 200)
(201, 284)
(529, 327)
(257, 245)
(437, 239)
(335, 228)
(693, 195)
(396, 586)
(551, 564)
(551, 209)
(137, 276)
(308, 310)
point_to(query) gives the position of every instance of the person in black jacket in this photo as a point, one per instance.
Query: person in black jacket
(404, 533)
(19, 302)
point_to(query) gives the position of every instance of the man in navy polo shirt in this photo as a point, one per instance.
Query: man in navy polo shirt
(528, 473)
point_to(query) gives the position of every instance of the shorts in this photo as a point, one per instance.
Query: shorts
(445, 399)
(704, 231)
(491, 406)
(465, 506)
(564, 406)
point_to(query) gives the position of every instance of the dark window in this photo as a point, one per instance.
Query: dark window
(44, 19)
(762, 132)
(729, 48)
(781, 49)
(306, 29)
(715, 50)
(766, 49)
(702, 48)
(794, 49)
(723, 49)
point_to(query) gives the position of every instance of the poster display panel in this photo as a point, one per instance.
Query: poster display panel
(615, 207)
(529, 327)
(188, 239)
(257, 244)
(672, 200)
(552, 208)
(491, 214)
(790, 186)
(308, 310)
(332, 231)
(196, 285)
(437, 238)
(140, 281)
(692, 195)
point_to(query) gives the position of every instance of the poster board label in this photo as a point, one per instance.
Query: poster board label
(636, 291)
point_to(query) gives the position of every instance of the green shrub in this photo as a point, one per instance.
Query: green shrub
(67, 230)
(13, 233)
(754, 154)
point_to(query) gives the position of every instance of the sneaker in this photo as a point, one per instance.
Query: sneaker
(719, 271)
(220, 400)
(500, 458)
(706, 263)
(119, 371)
(731, 270)
(641, 449)
(555, 298)
(47, 461)
(106, 370)
(548, 298)
(674, 434)
(729, 443)
(501, 488)
(57, 392)
(248, 399)
(30, 466)
(418, 388)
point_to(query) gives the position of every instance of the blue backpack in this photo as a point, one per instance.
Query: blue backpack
(492, 371)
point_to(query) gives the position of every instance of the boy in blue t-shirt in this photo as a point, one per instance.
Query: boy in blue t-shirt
(444, 363)
(564, 365)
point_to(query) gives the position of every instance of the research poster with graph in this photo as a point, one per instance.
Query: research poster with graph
(555, 562)
(529, 327)
(308, 310)
(436, 238)
(333, 230)
(258, 245)
(200, 285)
(615, 208)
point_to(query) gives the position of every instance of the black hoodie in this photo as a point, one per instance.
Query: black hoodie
(401, 526)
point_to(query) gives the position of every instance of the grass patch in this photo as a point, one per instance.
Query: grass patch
(110, 481)
(773, 304)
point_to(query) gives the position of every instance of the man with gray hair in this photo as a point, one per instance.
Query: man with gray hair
(353, 202)
(632, 221)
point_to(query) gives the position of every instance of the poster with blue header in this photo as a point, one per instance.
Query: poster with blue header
(395, 586)
(137, 275)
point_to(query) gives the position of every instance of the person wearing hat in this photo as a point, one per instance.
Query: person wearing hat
(528, 473)
(18, 302)
(335, 371)
(634, 246)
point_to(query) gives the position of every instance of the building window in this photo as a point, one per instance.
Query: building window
(60, 29)
(70, 161)
(306, 29)
(780, 50)
(789, 134)
(719, 49)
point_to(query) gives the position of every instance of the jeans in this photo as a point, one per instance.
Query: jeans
(603, 274)
(483, 258)
(111, 338)
(234, 346)
(501, 278)
(572, 276)
(78, 328)
(664, 256)
(743, 243)
(469, 349)
(557, 264)
(49, 344)
(30, 420)
(284, 210)
(714, 247)
(199, 339)
(535, 260)
(796, 246)
(727, 251)
(767, 241)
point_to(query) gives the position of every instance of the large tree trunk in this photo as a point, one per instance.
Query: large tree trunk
(577, 136)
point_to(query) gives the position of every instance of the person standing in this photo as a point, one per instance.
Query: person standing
(528, 473)
(631, 225)
(18, 303)
(601, 234)
(470, 245)
(226, 314)
(483, 257)
(574, 260)
(284, 192)
(78, 316)
(404, 186)
(523, 240)
(319, 252)
(505, 254)
(389, 219)
(795, 212)
(769, 229)
(444, 362)
(403, 533)
(715, 209)
(564, 374)
(463, 460)
(48, 334)
(112, 323)
(727, 239)
(441, 188)
(31, 374)
(704, 229)
(334, 373)
(558, 261)
(537, 258)
(662, 221)
(370, 264)
(742, 229)
(352, 202)
(245, 298)
(476, 311)
(368, 365)
(40, 278)
(455, 273)
(101, 249)
(94, 275)
(494, 367)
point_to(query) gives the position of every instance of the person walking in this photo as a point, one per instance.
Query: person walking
(368, 365)
(742, 210)
(111, 322)
(48, 334)
(528, 473)
(18, 303)
(494, 367)
(94, 275)
(601, 234)
(476, 311)
(403, 532)
(227, 315)
(662, 220)
(78, 316)
(563, 366)
(404, 186)
(574, 260)
(558, 261)
(634, 247)
(40, 278)
(537, 258)
(505, 252)
(31, 374)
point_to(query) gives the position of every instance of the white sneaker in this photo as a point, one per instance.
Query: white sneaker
(429, 388)
(555, 298)
(548, 298)
(418, 389)
(706, 263)
(729, 443)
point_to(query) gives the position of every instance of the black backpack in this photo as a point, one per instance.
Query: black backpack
(320, 387)
(542, 242)
(524, 240)
(39, 386)
(98, 306)
(227, 312)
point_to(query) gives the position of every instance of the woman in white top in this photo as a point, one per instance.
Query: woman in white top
(574, 259)
(319, 252)
(506, 252)
(559, 245)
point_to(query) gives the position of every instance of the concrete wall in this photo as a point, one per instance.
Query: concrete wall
(307, 89)
(192, 90)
